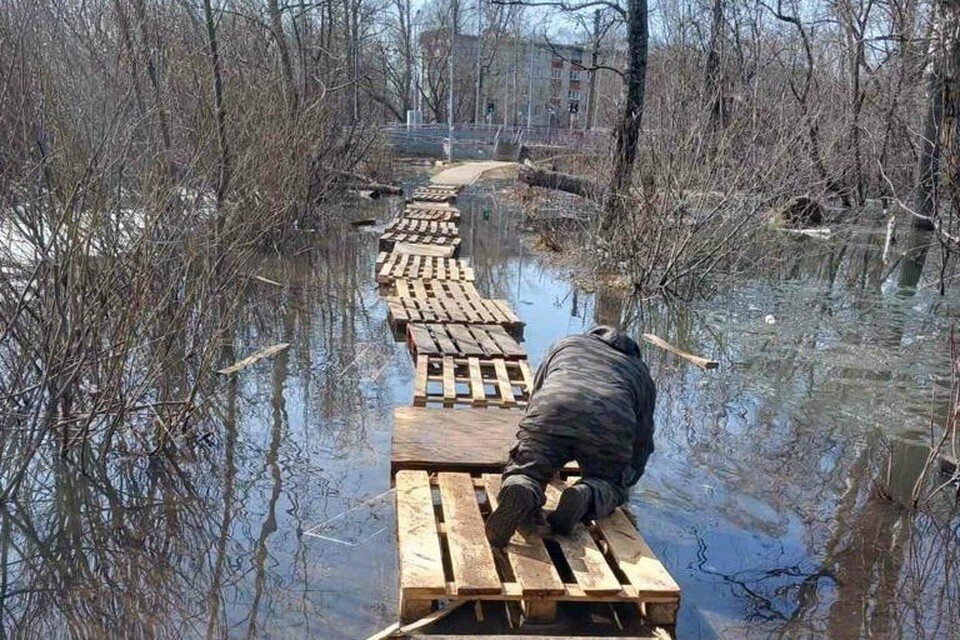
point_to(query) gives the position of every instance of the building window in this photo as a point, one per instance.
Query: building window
(576, 56)
(574, 74)
(556, 73)
(573, 95)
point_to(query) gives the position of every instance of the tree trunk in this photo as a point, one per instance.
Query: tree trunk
(939, 78)
(276, 25)
(628, 130)
(223, 169)
(529, 174)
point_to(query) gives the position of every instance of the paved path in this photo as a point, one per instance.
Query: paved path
(470, 172)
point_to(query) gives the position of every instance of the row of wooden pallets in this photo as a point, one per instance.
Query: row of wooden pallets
(466, 352)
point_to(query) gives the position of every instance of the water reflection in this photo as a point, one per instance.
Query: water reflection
(774, 496)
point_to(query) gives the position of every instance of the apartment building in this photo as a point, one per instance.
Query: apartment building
(521, 82)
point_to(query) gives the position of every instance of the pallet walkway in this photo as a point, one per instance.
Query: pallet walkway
(463, 341)
(417, 288)
(479, 382)
(441, 246)
(436, 193)
(444, 554)
(449, 310)
(445, 464)
(420, 212)
(424, 227)
(392, 266)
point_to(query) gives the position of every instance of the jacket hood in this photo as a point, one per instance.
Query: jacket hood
(619, 341)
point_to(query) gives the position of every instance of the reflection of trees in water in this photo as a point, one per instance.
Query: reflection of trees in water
(199, 537)
(791, 432)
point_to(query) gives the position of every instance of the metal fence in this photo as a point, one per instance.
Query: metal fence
(430, 137)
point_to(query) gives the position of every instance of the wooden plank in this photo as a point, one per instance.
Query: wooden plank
(445, 345)
(470, 556)
(421, 562)
(477, 389)
(487, 344)
(420, 382)
(420, 340)
(635, 558)
(527, 555)
(586, 561)
(526, 376)
(449, 385)
(503, 384)
(505, 342)
(466, 439)
(467, 345)
(431, 250)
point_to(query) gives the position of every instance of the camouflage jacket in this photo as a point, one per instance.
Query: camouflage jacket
(596, 386)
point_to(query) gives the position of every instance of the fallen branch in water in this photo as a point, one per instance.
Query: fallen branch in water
(703, 363)
(529, 174)
(396, 631)
(251, 359)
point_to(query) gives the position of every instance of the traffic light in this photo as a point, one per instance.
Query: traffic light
(574, 108)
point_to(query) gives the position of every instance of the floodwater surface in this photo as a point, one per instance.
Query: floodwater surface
(773, 496)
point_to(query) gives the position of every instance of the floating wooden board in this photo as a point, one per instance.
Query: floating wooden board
(450, 244)
(424, 227)
(404, 288)
(420, 212)
(601, 562)
(475, 381)
(452, 309)
(391, 266)
(462, 341)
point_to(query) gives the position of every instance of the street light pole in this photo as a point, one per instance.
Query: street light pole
(454, 8)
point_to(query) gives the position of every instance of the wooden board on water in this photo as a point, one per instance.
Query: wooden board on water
(462, 440)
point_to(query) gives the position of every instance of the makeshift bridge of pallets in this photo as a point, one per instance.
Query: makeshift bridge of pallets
(466, 351)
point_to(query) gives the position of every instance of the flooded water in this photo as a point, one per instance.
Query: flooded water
(761, 498)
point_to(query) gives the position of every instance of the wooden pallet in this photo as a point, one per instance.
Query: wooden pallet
(405, 288)
(444, 555)
(424, 227)
(420, 212)
(436, 193)
(452, 309)
(480, 382)
(449, 245)
(391, 266)
(462, 341)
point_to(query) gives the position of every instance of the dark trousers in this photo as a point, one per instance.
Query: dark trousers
(604, 466)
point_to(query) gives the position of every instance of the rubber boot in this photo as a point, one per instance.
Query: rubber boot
(573, 507)
(515, 504)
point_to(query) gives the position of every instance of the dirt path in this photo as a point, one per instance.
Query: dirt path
(469, 172)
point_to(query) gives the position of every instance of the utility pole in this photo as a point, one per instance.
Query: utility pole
(479, 80)
(454, 10)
